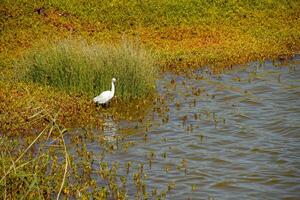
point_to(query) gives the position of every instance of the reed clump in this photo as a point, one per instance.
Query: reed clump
(80, 67)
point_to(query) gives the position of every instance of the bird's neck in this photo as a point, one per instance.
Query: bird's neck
(113, 88)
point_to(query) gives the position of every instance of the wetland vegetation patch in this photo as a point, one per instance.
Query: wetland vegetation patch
(76, 66)
(63, 75)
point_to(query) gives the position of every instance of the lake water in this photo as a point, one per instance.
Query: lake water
(234, 135)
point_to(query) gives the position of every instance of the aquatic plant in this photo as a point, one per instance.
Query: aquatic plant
(76, 66)
(41, 167)
(29, 175)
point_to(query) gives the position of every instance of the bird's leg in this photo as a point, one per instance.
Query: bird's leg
(105, 105)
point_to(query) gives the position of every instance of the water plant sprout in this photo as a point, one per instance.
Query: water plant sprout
(106, 96)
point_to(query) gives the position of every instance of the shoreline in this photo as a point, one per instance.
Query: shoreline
(183, 36)
(19, 102)
(178, 46)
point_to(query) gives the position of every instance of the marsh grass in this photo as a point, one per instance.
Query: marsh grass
(27, 175)
(128, 14)
(193, 32)
(56, 164)
(76, 66)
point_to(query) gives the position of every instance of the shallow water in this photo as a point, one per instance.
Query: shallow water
(230, 136)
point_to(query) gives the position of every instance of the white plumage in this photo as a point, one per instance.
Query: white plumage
(105, 96)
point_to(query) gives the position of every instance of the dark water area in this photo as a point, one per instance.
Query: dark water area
(234, 135)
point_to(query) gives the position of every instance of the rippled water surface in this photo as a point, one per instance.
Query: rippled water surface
(230, 136)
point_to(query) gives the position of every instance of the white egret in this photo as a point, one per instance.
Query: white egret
(106, 96)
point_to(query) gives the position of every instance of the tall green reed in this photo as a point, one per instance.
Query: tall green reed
(77, 66)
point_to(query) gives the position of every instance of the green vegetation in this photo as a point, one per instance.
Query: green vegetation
(82, 68)
(128, 14)
(40, 167)
(28, 176)
(184, 33)
(65, 52)
(27, 179)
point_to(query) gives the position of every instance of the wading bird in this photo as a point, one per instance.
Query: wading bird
(106, 96)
